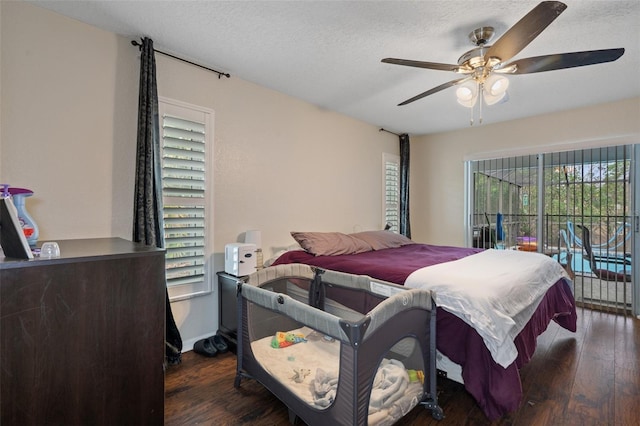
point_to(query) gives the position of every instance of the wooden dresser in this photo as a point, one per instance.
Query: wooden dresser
(82, 336)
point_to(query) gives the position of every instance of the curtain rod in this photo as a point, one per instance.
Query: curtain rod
(220, 74)
(385, 130)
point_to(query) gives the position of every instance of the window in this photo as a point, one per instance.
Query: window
(505, 186)
(391, 191)
(185, 132)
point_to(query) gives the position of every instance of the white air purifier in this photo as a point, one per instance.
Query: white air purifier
(240, 259)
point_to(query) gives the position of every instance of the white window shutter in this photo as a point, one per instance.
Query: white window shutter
(391, 189)
(185, 141)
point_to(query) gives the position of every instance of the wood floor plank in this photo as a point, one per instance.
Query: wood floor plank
(547, 393)
(590, 377)
(627, 372)
(592, 394)
(601, 328)
(627, 344)
(627, 397)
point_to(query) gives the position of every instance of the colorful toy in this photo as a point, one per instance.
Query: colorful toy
(416, 375)
(283, 339)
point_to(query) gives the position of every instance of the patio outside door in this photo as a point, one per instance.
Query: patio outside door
(575, 206)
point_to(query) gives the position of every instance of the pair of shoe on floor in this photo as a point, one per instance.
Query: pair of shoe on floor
(211, 346)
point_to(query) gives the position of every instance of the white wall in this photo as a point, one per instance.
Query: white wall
(65, 105)
(69, 114)
(437, 161)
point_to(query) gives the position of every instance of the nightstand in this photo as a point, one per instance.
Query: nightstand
(228, 286)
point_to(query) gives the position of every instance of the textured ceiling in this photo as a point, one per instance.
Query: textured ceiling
(328, 52)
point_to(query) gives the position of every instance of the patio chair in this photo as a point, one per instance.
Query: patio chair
(603, 274)
(567, 260)
(608, 245)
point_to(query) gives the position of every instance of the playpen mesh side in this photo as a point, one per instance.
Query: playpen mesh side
(328, 323)
(396, 298)
(288, 307)
(265, 275)
(286, 280)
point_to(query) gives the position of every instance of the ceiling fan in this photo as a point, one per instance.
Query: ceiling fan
(484, 65)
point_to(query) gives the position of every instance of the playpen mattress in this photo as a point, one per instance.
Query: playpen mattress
(310, 370)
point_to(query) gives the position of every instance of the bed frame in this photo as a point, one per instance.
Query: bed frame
(400, 325)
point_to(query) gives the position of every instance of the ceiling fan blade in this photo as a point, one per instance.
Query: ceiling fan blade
(436, 89)
(421, 64)
(525, 30)
(563, 60)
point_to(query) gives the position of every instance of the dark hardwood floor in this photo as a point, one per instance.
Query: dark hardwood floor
(591, 377)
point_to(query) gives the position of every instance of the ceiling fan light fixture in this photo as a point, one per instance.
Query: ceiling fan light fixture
(494, 89)
(464, 94)
(467, 94)
(496, 85)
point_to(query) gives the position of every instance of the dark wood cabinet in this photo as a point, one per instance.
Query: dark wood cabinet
(82, 336)
(228, 285)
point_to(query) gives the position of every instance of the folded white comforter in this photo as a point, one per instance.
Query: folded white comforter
(495, 291)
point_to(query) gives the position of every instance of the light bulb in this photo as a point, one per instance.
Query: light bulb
(467, 94)
(495, 89)
(464, 93)
(496, 85)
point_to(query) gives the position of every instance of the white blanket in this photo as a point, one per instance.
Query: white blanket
(495, 291)
(310, 370)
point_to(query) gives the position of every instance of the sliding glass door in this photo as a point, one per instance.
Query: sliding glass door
(575, 206)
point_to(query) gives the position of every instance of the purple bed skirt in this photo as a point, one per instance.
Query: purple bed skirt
(497, 390)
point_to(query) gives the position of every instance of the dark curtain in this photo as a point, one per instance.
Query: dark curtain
(405, 226)
(147, 214)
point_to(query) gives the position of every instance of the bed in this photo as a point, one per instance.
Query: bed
(471, 348)
(331, 364)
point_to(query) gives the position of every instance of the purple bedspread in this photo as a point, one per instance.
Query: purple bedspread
(393, 265)
(497, 390)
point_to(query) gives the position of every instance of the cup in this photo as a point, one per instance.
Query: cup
(49, 250)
